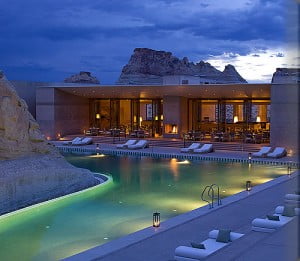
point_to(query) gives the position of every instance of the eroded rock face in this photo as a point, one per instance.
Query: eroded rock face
(82, 77)
(19, 132)
(147, 66)
(31, 169)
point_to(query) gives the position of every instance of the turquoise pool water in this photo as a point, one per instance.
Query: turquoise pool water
(140, 187)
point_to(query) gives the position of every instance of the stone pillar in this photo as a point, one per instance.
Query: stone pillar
(175, 113)
(285, 111)
(60, 113)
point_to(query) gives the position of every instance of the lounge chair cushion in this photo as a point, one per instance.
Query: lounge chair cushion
(196, 245)
(288, 211)
(223, 236)
(184, 253)
(274, 218)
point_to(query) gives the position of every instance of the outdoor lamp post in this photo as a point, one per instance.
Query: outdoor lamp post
(156, 219)
(248, 185)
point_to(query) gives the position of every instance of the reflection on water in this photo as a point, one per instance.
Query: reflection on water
(141, 186)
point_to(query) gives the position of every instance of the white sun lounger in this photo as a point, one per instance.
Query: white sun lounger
(292, 198)
(184, 253)
(279, 152)
(126, 144)
(86, 141)
(206, 148)
(141, 144)
(191, 148)
(76, 141)
(262, 153)
(266, 225)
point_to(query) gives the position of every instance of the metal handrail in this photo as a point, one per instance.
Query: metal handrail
(211, 194)
(203, 199)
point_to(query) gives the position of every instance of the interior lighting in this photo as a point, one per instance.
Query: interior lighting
(258, 119)
(98, 116)
(235, 119)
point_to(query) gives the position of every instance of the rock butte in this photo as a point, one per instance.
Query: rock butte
(147, 66)
(82, 77)
(31, 170)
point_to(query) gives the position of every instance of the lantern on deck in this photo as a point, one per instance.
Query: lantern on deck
(249, 156)
(156, 219)
(289, 170)
(248, 185)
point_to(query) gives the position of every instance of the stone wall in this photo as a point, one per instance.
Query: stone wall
(285, 109)
(60, 113)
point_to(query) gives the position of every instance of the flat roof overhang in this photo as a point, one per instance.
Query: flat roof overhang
(205, 91)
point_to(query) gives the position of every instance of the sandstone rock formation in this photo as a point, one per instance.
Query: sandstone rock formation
(31, 170)
(19, 132)
(147, 66)
(82, 77)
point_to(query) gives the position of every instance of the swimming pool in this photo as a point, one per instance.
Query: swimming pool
(141, 186)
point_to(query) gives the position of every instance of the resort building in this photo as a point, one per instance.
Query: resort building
(184, 106)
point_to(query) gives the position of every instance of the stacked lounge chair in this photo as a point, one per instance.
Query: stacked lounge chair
(86, 141)
(217, 239)
(191, 148)
(262, 153)
(126, 144)
(283, 215)
(278, 152)
(206, 148)
(141, 144)
(76, 141)
(292, 198)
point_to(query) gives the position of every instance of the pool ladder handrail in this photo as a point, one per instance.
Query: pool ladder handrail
(211, 195)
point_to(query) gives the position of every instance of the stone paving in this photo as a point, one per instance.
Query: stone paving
(236, 213)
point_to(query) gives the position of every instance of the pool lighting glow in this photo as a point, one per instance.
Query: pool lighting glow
(97, 156)
(183, 162)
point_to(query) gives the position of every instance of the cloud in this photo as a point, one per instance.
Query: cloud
(68, 36)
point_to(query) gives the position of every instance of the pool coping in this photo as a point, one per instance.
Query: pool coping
(182, 156)
(107, 180)
(109, 248)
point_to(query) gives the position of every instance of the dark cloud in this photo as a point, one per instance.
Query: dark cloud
(47, 36)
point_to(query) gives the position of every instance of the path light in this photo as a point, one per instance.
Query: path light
(156, 219)
(248, 185)
(249, 156)
(289, 170)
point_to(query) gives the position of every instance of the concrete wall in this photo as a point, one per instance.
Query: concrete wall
(285, 116)
(27, 91)
(175, 112)
(60, 113)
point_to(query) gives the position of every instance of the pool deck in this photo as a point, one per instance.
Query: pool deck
(171, 151)
(236, 213)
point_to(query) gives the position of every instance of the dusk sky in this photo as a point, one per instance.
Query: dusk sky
(50, 40)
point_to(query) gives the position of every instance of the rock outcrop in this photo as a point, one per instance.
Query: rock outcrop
(19, 132)
(31, 169)
(147, 66)
(82, 77)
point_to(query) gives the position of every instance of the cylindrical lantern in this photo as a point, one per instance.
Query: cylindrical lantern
(156, 219)
(248, 185)
(289, 170)
(249, 156)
